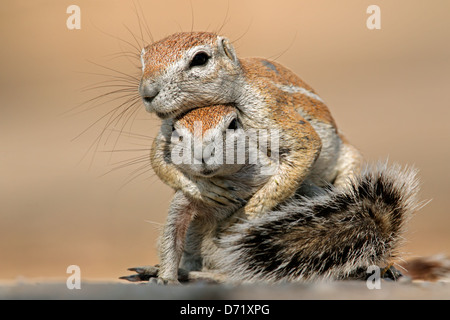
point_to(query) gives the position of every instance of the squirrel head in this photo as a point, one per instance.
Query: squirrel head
(204, 141)
(186, 69)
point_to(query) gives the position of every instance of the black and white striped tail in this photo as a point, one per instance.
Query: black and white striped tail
(330, 236)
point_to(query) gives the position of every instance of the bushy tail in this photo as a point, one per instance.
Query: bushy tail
(331, 236)
(431, 268)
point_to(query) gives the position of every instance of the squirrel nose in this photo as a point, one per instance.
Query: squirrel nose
(148, 92)
(202, 155)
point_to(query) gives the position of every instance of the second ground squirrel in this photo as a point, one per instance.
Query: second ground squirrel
(318, 233)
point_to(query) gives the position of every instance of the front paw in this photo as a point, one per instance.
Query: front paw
(214, 192)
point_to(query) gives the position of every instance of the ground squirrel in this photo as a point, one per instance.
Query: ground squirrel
(332, 233)
(196, 69)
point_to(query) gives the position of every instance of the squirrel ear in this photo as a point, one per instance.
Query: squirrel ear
(227, 48)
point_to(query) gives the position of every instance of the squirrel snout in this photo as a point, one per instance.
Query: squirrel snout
(148, 93)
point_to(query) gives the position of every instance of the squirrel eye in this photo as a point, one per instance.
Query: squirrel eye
(233, 125)
(199, 59)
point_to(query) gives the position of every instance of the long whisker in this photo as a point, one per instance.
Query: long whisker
(138, 173)
(147, 29)
(225, 18)
(276, 57)
(136, 135)
(133, 112)
(98, 98)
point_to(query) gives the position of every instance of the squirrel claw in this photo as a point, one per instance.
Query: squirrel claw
(224, 184)
(222, 198)
(144, 273)
(211, 193)
(390, 273)
(150, 274)
(135, 278)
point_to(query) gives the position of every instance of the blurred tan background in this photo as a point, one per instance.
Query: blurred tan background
(65, 200)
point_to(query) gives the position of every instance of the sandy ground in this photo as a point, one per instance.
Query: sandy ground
(337, 290)
(76, 189)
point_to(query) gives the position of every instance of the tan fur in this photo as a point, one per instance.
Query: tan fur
(208, 117)
(264, 78)
(266, 93)
(168, 50)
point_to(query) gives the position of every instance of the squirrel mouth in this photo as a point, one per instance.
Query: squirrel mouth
(164, 115)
